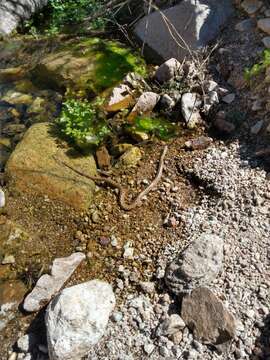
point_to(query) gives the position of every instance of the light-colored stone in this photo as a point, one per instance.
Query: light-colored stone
(255, 129)
(264, 25)
(190, 103)
(2, 199)
(198, 265)
(192, 23)
(13, 12)
(48, 285)
(33, 167)
(167, 71)
(121, 98)
(170, 326)
(145, 104)
(207, 317)
(27, 342)
(8, 259)
(77, 318)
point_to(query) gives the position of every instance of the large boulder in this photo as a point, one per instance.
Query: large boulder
(35, 166)
(77, 318)
(14, 12)
(190, 25)
(198, 265)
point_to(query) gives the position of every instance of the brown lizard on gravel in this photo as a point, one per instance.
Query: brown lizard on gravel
(122, 191)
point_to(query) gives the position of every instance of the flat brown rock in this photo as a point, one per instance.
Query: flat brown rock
(207, 317)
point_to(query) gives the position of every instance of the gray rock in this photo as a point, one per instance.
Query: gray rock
(251, 6)
(170, 326)
(48, 285)
(2, 199)
(190, 103)
(228, 99)
(245, 25)
(77, 318)
(197, 265)
(167, 71)
(13, 12)
(266, 42)
(206, 316)
(192, 23)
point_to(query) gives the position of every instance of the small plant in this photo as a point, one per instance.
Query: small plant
(82, 123)
(258, 68)
(159, 127)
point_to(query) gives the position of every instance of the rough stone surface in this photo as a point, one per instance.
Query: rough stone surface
(145, 104)
(190, 103)
(206, 316)
(13, 12)
(197, 23)
(251, 6)
(264, 25)
(198, 265)
(77, 318)
(167, 71)
(33, 167)
(48, 285)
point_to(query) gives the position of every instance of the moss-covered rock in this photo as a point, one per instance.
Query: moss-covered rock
(34, 167)
(90, 66)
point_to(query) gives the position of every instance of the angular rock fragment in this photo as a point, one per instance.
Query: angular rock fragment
(167, 71)
(120, 99)
(197, 265)
(77, 318)
(48, 285)
(207, 317)
(145, 104)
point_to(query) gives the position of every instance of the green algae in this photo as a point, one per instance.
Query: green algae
(111, 62)
(159, 127)
(88, 67)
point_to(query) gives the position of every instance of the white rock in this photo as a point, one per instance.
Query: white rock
(167, 71)
(8, 259)
(2, 199)
(27, 342)
(77, 318)
(120, 94)
(48, 285)
(190, 103)
(147, 286)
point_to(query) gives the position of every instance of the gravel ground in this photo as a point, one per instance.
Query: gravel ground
(239, 212)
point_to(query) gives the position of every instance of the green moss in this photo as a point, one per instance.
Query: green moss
(111, 62)
(159, 127)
